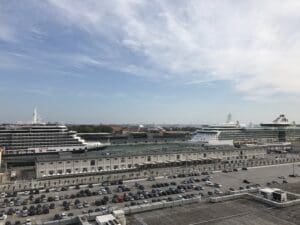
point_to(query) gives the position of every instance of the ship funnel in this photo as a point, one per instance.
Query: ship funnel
(36, 118)
(229, 118)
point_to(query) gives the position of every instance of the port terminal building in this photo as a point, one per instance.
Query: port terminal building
(123, 158)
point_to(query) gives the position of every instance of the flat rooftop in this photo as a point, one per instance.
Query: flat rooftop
(141, 149)
(237, 212)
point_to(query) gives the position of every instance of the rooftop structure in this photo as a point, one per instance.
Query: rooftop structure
(108, 219)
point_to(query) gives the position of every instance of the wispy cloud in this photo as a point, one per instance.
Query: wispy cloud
(255, 45)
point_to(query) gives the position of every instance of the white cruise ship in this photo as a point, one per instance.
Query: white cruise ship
(38, 137)
(279, 130)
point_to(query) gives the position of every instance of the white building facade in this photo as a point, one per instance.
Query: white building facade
(97, 163)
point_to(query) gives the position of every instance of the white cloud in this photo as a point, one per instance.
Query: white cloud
(255, 45)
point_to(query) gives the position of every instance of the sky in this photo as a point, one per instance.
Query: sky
(141, 61)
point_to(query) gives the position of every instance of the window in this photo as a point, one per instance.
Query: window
(122, 160)
(84, 169)
(92, 163)
(204, 155)
(100, 168)
(178, 157)
(129, 166)
(51, 172)
(68, 170)
(116, 167)
(68, 162)
(59, 171)
(149, 158)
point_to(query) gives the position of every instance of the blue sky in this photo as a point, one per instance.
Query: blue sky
(138, 61)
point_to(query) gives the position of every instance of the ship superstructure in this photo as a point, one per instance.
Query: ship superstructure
(38, 137)
(280, 130)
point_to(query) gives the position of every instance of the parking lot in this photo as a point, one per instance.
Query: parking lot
(49, 204)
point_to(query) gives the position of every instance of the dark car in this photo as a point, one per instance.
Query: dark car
(52, 206)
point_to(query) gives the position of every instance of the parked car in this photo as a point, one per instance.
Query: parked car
(3, 216)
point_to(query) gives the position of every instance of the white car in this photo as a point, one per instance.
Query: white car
(28, 222)
(217, 191)
(3, 195)
(3, 216)
(179, 197)
(79, 206)
(209, 183)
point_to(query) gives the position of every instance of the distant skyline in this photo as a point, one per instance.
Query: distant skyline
(140, 61)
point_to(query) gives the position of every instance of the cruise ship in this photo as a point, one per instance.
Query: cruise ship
(279, 130)
(37, 137)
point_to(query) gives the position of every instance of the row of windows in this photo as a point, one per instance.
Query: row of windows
(148, 158)
(85, 169)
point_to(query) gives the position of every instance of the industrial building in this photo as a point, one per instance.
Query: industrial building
(67, 163)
